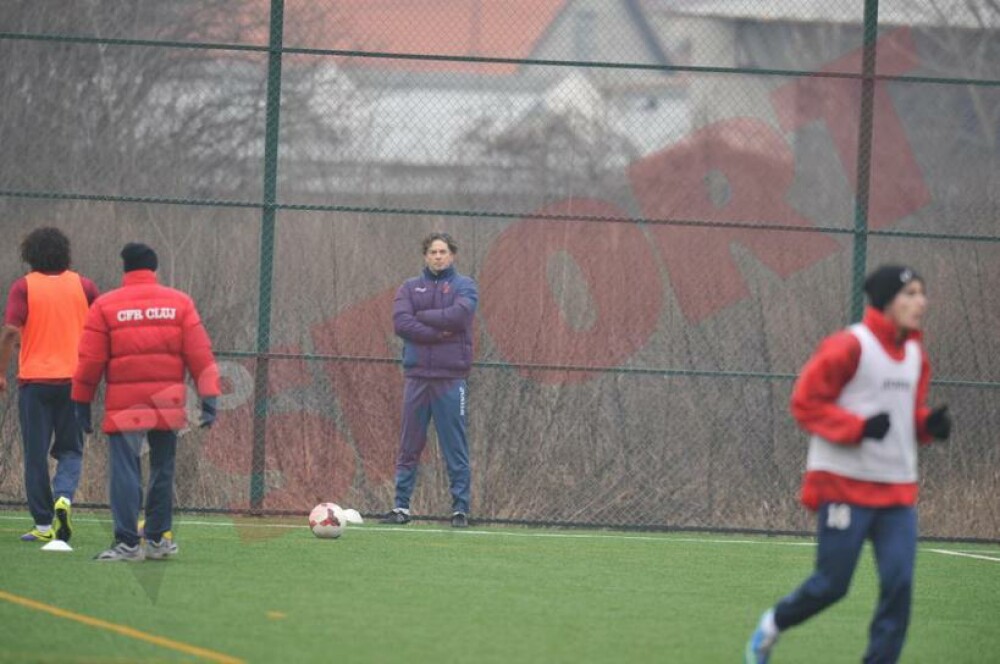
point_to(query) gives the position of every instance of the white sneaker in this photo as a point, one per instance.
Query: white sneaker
(122, 551)
(161, 550)
(758, 649)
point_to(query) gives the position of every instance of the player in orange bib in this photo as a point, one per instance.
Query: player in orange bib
(45, 313)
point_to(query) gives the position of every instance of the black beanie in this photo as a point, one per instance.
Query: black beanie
(138, 256)
(883, 284)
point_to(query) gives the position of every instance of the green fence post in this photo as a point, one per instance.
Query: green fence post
(266, 264)
(863, 182)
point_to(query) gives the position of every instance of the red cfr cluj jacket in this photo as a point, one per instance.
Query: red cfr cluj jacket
(144, 336)
(814, 406)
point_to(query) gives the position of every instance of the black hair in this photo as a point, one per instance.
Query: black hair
(46, 250)
(444, 237)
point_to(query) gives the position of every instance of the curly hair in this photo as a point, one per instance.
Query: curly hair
(46, 250)
(444, 237)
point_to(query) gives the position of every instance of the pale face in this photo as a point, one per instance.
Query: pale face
(438, 256)
(907, 309)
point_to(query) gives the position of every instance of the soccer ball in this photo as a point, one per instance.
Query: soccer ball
(327, 521)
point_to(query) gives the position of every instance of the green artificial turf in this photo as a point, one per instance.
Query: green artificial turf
(266, 592)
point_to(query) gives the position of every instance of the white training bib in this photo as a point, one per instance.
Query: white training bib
(880, 385)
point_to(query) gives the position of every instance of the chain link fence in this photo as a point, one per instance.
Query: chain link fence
(666, 205)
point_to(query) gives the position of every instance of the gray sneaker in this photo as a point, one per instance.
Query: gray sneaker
(122, 551)
(459, 520)
(165, 548)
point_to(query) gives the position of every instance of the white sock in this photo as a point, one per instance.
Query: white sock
(768, 625)
(43, 529)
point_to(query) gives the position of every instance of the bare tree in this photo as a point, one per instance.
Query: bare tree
(171, 119)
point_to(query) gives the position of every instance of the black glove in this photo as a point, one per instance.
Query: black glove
(81, 411)
(939, 423)
(207, 412)
(876, 426)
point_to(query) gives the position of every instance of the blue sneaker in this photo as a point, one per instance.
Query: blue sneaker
(758, 650)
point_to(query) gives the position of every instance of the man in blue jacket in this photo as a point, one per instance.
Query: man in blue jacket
(433, 315)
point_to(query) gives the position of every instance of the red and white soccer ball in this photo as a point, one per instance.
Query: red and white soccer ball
(327, 521)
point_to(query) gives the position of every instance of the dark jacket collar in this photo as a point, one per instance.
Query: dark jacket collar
(885, 330)
(136, 277)
(446, 273)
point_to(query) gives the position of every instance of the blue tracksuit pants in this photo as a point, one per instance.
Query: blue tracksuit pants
(48, 427)
(445, 400)
(126, 483)
(842, 531)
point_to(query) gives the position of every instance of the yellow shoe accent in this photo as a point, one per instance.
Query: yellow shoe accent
(35, 535)
(142, 531)
(62, 524)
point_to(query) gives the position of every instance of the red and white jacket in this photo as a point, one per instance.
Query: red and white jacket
(144, 335)
(832, 398)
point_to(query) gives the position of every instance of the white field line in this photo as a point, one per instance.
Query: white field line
(466, 532)
(506, 533)
(964, 554)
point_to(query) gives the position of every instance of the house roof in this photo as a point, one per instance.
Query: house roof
(969, 14)
(477, 28)
(428, 126)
